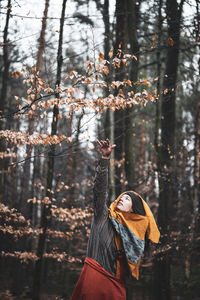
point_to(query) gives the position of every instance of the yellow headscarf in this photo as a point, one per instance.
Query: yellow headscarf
(131, 229)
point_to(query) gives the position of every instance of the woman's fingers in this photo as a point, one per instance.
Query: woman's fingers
(100, 143)
(108, 142)
(105, 144)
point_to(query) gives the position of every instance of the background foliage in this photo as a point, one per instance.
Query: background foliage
(72, 72)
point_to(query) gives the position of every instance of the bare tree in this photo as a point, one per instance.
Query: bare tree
(46, 213)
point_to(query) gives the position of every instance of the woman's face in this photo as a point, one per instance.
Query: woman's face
(125, 203)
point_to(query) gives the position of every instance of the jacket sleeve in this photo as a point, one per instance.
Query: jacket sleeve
(101, 187)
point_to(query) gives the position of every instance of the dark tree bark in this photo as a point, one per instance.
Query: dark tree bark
(196, 203)
(109, 115)
(196, 200)
(3, 99)
(168, 116)
(166, 163)
(6, 61)
(106, 19)
(134, 47)
(158, 55)
(126, 28)
(46, 213)
(195, 218)
(121, 39)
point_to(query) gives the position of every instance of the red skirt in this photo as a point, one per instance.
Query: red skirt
(95, 283)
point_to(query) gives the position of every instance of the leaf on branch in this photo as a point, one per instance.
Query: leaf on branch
(133, 56)
(33, 69)
(17, 98)
(110, 54)
(153, 44)
(165, 91)
(154, 92)
(129, 82)
(121, 92)
(101, 55)
(29, 90)
(106, 70)
(72, 74)
(116, 62)
(16, 74)
(170, 41)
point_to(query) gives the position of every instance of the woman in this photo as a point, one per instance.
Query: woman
(116, 241)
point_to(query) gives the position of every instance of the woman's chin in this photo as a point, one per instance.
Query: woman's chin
(120, 208)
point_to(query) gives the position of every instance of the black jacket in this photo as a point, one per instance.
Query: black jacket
(101, 244)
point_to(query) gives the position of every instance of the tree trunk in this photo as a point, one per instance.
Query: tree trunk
(126, 28)
(109, 116)
(5, 73)
(26, 188)
(5, 61)
(195, 220)
(46, 213)
(196, 201)
(129, 144)
(121, 30)
(37, 161)
(158, 54)
(41, 40)
(166, 165)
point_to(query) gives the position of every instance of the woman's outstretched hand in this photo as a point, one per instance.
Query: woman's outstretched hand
(105, 148)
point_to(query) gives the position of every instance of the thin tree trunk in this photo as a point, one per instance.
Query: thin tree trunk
(120, 76)
(46, 213)
(106, 20)
(3, 99)
(129, 144)
(158, 54)
(41, 40)
(109, 116)
(37, 160)
(5, 61)
(112, 158)
(196, 201)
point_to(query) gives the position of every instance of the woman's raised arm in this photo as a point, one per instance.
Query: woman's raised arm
(101, 177)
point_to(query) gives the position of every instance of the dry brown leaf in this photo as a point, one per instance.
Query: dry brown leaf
(16, 74)
(170, 41)
(106, 70)
(101, 55)
(110, 54)
(153, 44)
